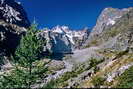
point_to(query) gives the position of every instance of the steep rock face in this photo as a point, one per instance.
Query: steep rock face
(61, 39)
(13, 21)
(12, 12)
(114, 29)
(107, 18)
(121, 42)
(9, 37)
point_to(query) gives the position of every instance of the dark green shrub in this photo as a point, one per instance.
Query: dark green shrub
(126, 79)
(94, 62)
(18, 78)
(98, 81)
(1, 60)
(29, 49)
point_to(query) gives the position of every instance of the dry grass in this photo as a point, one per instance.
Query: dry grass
(111, 67)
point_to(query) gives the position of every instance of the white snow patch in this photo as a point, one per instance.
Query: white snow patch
(65, 28)
(54, 40)
(117, 17)
(110, 77)
(19, 3)
(70, 38)
(10, 14)
(110, 21)
(77, 34)
(58, 30)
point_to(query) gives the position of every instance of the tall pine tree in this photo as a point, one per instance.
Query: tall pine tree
(26, 54)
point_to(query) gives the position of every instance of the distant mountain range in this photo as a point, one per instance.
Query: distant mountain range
(61, 39)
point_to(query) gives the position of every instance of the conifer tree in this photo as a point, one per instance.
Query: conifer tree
(29, 50)
(26, 54)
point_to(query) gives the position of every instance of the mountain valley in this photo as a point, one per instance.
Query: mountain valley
(101, 57)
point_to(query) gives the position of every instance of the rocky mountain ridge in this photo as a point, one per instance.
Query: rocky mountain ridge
(122, 24)
(12, 12)
(13, 23)
(61, 39)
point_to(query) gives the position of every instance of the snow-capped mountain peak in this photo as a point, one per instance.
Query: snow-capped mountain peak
(57, 29)
(71, 34)
(63, 39)
(61, 29)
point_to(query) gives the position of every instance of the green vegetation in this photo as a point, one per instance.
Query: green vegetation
(126, 79)
(18, 78)
(25, 72)
(29, 49)
(98, 81)
(111, 32)
(62, 81)
(94, 42)
(94, 62)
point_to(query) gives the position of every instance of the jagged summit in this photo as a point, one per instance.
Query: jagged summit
(60, 29)
(110, 18)
(61, 39)
(107, 18)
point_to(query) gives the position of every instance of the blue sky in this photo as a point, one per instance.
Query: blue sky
(76, 14)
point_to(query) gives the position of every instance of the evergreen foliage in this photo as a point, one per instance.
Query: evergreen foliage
(25, 73)
(126, 79)
(98, 81)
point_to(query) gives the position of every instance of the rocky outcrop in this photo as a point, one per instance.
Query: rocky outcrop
(107, 19)
(121, 70)
(9, 36)
(114, 29)
(121, 42)
(13, 23)
(12, 12)
(61, 39)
